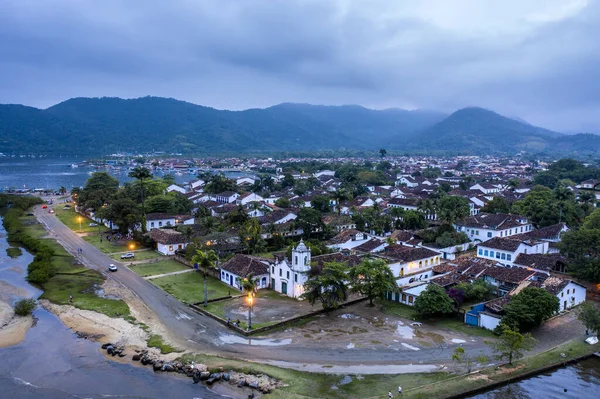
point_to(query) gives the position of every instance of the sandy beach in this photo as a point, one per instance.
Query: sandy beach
(12, 328)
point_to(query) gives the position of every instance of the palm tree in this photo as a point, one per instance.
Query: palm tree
(62, 190)
(205, 260)
(140, 173)
(587, 199)
(427, 206)
(249, 286)
(339, 195)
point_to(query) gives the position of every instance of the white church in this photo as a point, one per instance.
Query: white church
(289, 275)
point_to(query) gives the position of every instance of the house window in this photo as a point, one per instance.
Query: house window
(287, 275)
(489, 234)
(295, 277)
(480, 251)
(403, 297)
(151, 224)
(521, 229)
(420, 263)
(401, 272)
(280, 273)
(562, 294)
(485, 253)
(170, 248)
(273, 269)
(477, 232)
(410, 299)
(568, 292)
(497, 255)
(525, 250)
(491, 254)
(159, 224)
(510, 231)
(508, 257)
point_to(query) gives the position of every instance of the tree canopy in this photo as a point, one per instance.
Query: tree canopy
(372, 278)
(433, 301)
(529, 308)
(511, 345)
(329, 286)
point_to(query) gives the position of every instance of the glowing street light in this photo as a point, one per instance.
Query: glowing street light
(250, 301)
(132, 246)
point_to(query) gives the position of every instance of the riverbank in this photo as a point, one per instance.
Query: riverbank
(12, 328)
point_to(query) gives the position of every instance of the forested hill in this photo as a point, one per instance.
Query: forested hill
(96, 126)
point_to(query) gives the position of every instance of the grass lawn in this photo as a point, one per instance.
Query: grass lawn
(70, 218)
(73, 279)
(189, 287)
(156, 341)
(139, 255)
(33, 227)
(108, 246)
(407, 312)
(162, 267)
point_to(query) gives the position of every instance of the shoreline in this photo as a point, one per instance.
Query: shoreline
(13, 328)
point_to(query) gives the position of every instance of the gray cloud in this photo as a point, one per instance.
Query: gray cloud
(536, 60)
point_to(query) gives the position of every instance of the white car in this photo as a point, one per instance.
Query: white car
(93, 224)
(112, 267)
(128, 255)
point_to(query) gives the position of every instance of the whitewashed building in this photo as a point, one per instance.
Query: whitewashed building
(289, 275)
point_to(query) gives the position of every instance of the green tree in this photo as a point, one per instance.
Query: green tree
(340, 195)
(545, 207)
(452, 209)
(123, 212)
(283, 202)
(205, 260)
(62, 190)
(478, 290)
(372, 278)
(328, 286)
(141, 174)
(433, 301)
(219, 183)
(321, 203)
(98, 189)
(513, 184)
(496, 205)
(382, 152)
(24, 307)
(529, 308)
(432, 173)
(582, 248)
(589, 315)
(511, 344)
(288, 181)
(251, 236)
(461, 357)
(309, 220)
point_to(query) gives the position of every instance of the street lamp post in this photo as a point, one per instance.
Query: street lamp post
(250, 299)
(79, 218)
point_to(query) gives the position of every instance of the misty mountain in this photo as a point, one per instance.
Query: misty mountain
(479, 131)
(97, 126)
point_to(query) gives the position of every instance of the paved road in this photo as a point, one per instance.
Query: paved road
(204, 334)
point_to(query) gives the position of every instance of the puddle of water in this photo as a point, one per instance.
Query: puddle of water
(348, 316)
(405, 331)
(414, 348)
(346, 380)
(458, 341)
(234, 339)
(100, 292)
(350, 346)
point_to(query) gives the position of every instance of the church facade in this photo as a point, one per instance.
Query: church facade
(289, 275)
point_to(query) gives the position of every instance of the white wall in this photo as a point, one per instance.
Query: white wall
(169, 249)
(488, 321)
(575, 296)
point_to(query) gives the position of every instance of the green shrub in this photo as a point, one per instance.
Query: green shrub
(24, 307)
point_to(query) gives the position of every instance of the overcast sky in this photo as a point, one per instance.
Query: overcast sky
(535, 59)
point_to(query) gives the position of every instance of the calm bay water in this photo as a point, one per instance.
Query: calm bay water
(53, 173)
(581, 381)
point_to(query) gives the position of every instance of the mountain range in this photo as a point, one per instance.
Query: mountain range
(98, 126)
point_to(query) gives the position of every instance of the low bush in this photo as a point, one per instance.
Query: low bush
(24, 307)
